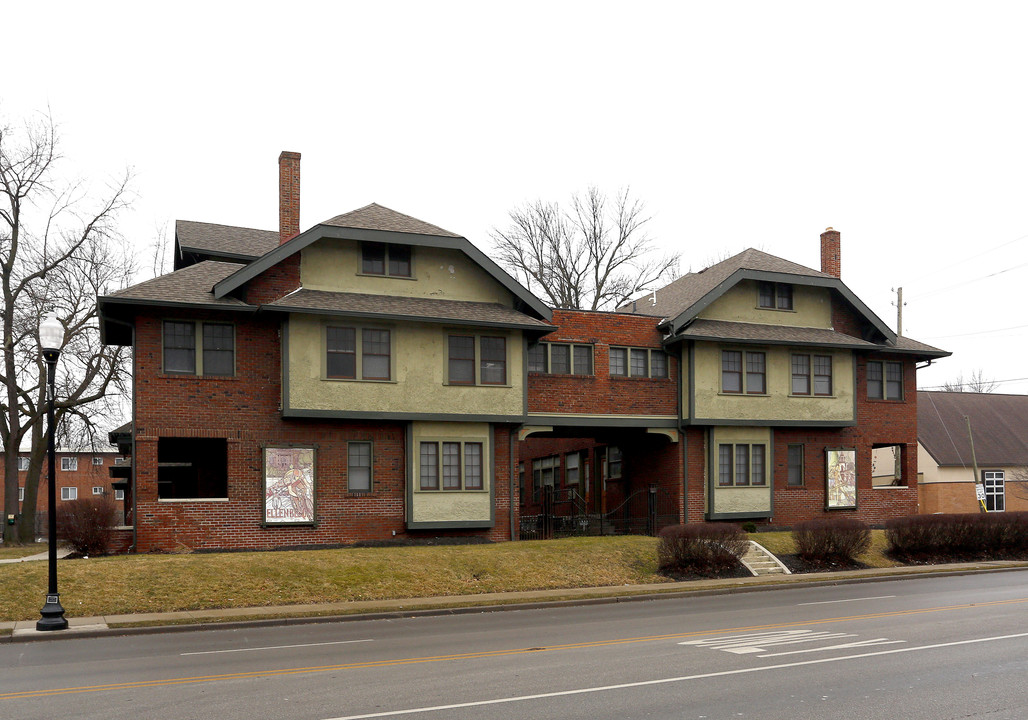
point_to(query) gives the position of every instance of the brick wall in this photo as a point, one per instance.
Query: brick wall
(602, 393)
(245, 410)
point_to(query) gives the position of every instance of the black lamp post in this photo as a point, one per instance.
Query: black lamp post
(51, 337)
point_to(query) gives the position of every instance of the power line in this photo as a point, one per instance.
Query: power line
(980, 332)
(994, 382)
(972, 257)
(967, 282)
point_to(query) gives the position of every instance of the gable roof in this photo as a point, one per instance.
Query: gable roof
(999, 424)
(375, 223)
(682, 300)
(223, 242)
(377, 217)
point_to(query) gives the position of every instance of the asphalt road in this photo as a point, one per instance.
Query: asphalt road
(938, 648)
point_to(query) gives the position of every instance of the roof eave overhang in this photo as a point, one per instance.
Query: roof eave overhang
(115, 311)
(678, 337)
(407, 318)
(690, 313)
(255, 268)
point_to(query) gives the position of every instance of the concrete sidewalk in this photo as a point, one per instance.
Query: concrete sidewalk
(25, 630)
(45, 555)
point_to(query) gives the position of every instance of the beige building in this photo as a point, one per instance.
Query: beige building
(958, 432)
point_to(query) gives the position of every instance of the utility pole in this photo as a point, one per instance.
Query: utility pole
(899, 310)
(979, 490)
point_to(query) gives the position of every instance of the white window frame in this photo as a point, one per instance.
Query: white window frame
(69, 493)
(98, 490)
(98, 461)
(994, 482)
(119, 494)
(69, 464)
(23, 464)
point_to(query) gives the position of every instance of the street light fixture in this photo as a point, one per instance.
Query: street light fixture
(51, 338)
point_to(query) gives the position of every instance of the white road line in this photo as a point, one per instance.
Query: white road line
(665, 681)
(832, 602)
(844, 646)
(273, 647)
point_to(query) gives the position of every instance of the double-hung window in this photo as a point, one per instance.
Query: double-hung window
(476, 360)
(387, 259)
(884, 380)
(774, 296)
(733, 374)
(217, 352)
(69, 464)
(742, 465)
(69, 493)
(638, 362)
(358, 467)
(23, 463)
(812, 374)
(561, 358)
(795, 465)
(451, 465)
(358, 353)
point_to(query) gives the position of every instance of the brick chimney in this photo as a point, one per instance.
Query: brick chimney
(831, 252)
(288, 196)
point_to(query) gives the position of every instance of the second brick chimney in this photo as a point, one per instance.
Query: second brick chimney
(831, 252)
(288, 196)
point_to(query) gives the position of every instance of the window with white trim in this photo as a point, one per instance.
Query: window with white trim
(69, 493)
(69, 464)
(98, 461)
(23, 464)
(21, 494)
(119, 494)
(995, 497)
(98, 490)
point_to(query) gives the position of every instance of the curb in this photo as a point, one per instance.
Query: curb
(481, 603)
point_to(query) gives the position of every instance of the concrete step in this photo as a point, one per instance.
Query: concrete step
(760, 562)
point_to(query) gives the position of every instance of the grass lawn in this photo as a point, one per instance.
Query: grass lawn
(126, 584)
(13, 552)
(163, 583)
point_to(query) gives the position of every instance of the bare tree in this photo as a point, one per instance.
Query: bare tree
(595, 255)
(978, 383)
(59, 248)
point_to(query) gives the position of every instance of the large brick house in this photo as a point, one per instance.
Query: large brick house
(756, 389)
(376, 376)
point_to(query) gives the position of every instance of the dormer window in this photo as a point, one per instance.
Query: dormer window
(774, 296)
(385, 259)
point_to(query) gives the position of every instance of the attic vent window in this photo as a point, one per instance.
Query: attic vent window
(385, 259)
(774, 296)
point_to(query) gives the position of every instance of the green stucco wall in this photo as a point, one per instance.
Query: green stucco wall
(778, 404)
(741, 499)
(334, 265)
(435, 506)
(419, 353)
(812, 307)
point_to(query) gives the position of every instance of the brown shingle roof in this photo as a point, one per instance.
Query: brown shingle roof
(775, 334)
(359, 304)
(999, 424)
(687, 290)
(189, 286)
(213, 239)
(377, 217)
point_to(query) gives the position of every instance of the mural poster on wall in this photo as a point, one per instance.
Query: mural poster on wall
(288, 485)
(841, 476)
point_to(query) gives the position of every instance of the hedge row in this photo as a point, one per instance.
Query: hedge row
(970, 535)
(824, 541)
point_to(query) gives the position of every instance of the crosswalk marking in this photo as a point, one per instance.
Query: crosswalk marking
(753, 643)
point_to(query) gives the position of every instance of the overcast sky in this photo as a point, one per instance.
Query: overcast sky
(903, 125)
